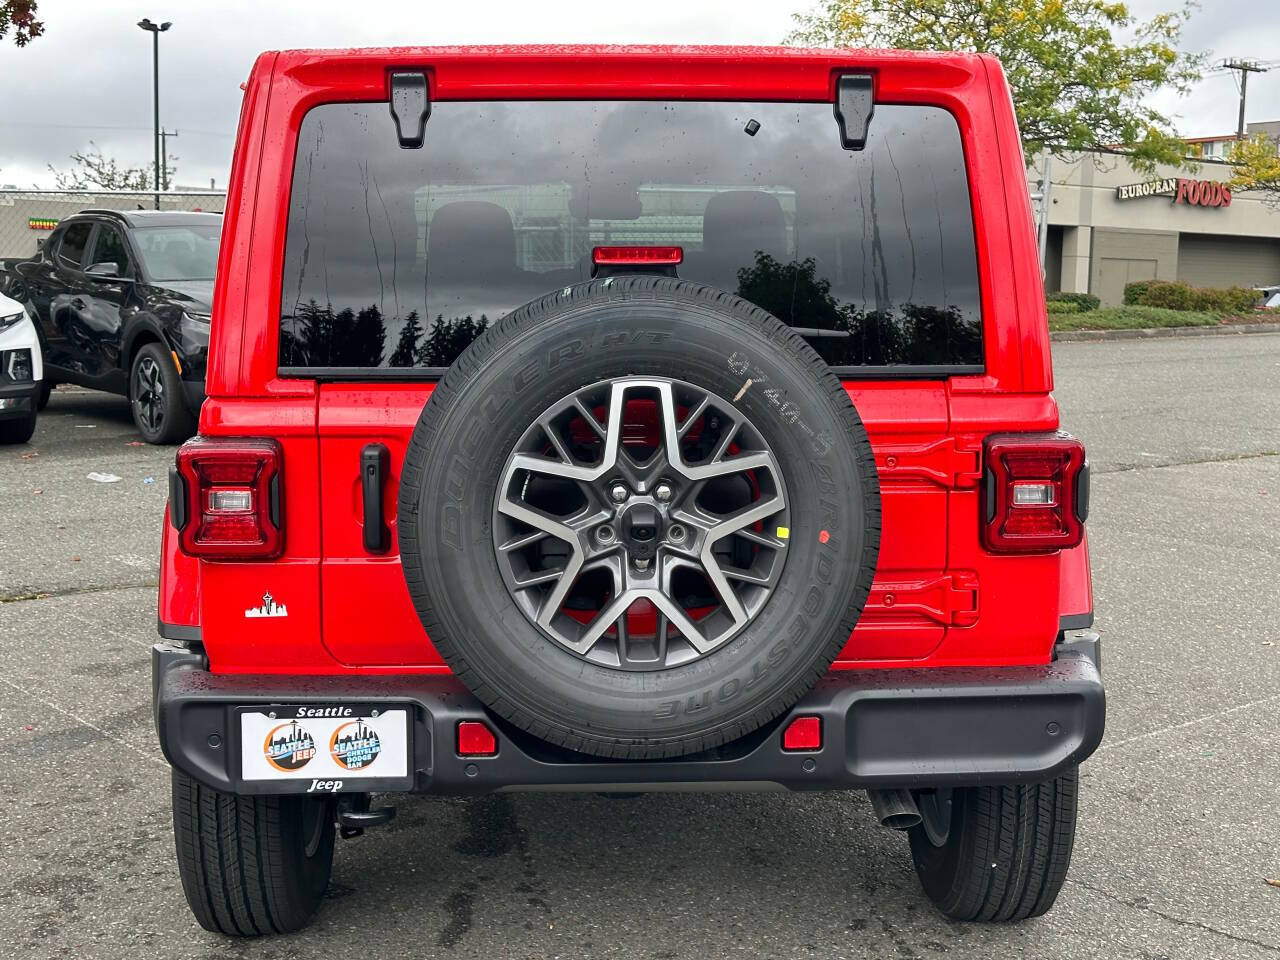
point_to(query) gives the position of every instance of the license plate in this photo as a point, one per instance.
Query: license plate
(326, 743)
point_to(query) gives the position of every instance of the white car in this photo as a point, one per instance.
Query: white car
(21, 373)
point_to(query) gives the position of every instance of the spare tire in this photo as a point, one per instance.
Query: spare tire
(639, 517)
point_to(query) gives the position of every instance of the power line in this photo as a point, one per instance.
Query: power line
(102, 126)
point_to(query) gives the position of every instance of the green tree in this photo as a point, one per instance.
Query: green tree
(368, 338)
(20, 17)
(1082, 72)
(1256, 166)
(407, 345)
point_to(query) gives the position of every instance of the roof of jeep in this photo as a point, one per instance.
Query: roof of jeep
(578, 51)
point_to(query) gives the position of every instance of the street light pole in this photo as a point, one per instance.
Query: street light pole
(155, 29)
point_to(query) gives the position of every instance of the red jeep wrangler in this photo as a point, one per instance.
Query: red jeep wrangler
(626, 419)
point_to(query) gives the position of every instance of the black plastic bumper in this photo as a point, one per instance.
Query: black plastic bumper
(19, 396)
(881, 728)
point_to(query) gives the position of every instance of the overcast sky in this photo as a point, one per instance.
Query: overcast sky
(89, 77)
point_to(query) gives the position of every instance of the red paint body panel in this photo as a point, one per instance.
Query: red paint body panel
(939, 598)
(1075, 593)
(178, 600)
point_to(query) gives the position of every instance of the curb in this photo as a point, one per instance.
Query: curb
(1070, 336)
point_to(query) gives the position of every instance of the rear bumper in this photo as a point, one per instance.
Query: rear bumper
(881, 728)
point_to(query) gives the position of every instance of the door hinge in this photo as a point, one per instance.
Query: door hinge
(410, 108)
(942, 462)
(951, 599)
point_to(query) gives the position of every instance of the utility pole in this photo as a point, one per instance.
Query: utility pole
(164, 157)
(155, 29)
(1042, 213)
(1245, 67)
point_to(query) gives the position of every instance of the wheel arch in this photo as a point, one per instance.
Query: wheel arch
(142, 331)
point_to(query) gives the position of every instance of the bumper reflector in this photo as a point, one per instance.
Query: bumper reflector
(475, 739)
(803, 733)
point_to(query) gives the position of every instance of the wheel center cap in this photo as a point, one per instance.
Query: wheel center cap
(640, 529)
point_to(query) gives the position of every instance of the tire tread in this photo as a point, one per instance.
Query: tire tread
(1008, 853)
(232, 854)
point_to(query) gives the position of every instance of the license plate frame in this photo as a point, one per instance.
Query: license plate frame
(331, 747)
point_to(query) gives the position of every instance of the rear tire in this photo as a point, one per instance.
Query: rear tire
(155, 397)
(251, 865)
(999, 853)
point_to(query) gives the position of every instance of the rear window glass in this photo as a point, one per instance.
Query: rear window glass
(400, 258)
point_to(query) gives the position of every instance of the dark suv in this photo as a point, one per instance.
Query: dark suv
(121, 301)
(626, 419)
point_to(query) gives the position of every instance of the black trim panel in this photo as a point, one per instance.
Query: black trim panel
(1081, 643)
(178, 632)
(1076, 621)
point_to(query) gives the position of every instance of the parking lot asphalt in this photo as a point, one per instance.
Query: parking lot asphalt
(1180, 809)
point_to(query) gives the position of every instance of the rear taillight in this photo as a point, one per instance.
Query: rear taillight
(225, 498)
(1036, 496)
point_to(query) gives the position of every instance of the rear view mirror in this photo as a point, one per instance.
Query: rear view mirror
(104, 271)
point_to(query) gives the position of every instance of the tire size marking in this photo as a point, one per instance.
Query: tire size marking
(740, 364)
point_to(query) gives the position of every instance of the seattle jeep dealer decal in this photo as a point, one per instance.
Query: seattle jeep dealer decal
(1196, 193)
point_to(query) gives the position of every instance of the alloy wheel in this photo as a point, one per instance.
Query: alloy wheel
(148, 394)
(640, 523)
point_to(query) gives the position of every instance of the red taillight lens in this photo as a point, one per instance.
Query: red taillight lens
(803, 733)
(637, 256)
(225, 498)
(475, 739)
(1036, 495)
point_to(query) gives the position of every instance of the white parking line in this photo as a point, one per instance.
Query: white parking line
(83, 722)
(1189, 723)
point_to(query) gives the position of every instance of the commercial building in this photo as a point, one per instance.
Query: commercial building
(1109, 225)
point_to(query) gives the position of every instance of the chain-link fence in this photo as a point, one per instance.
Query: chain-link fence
(27, 217)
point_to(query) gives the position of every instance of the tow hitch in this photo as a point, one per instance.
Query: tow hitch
(355, 816)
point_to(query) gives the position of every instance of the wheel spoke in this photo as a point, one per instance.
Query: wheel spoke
(761, 539)
(539, 577)
(589, 417)
(693, 416)
(554, 436)
(538, 520)
(554, 600)
(684, 626)
(553, 468)
(605, 619)
(521, 541)
(744, 576)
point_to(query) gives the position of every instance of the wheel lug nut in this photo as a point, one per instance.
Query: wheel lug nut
(676, 533)
(618, 492)
(662, 491)
(605, 533)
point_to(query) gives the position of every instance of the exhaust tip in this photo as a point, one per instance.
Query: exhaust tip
(901, 821)
(895, 809)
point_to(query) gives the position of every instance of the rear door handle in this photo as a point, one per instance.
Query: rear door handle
(375, 460)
